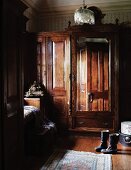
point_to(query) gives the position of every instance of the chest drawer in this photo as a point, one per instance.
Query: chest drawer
(95, 123)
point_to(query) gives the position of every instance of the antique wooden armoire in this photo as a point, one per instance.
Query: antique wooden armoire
(80, 68)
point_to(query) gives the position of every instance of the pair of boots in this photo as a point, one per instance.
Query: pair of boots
(113, 141)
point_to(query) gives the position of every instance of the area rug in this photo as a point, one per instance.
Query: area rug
(77, 160)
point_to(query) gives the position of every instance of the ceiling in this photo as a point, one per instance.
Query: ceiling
(67, 6)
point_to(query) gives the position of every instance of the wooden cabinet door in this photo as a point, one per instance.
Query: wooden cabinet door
(93, 84)
(54, 72)
(93, 78)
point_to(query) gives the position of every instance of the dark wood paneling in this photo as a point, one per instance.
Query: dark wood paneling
(12, 81)
(30, 60)
(125, 72)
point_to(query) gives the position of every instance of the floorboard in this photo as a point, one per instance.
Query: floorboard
(121, 160)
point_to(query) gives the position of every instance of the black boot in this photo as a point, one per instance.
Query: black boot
(104, 138)
(113, 141)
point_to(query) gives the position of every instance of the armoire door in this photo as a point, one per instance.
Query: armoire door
(53, 68)
(93, 101)
(93, 78)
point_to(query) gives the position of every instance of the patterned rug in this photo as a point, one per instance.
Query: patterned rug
(77, 160)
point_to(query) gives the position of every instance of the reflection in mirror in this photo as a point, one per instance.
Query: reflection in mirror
(93, 74)
(84, 40)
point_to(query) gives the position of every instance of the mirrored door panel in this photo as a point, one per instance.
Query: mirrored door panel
(93, 75)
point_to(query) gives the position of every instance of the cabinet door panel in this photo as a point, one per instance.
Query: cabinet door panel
(93, 78)
(58, 65)
(60, 78)
(56, 61)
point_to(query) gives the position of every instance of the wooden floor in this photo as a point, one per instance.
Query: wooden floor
(121, 160)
